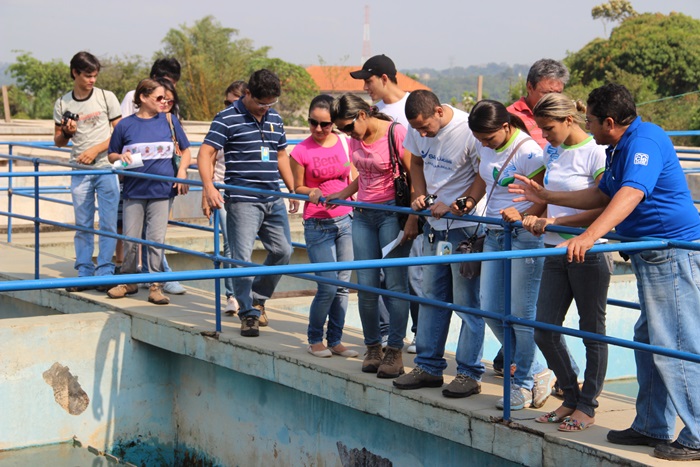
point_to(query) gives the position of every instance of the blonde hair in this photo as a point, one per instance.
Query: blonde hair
(559, 107)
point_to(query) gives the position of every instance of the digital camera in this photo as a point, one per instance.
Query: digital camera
(461, 203)
(429, 200)
(68, 115)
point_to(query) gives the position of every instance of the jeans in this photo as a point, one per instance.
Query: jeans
(444, 283)
(151, 212)
(415, 281)
(587, 283)
(668, 283)
(269, 221)
(524, 288)
(144, 251)
(329, 240)
(85, 189)
(228, 282)
(371, 230)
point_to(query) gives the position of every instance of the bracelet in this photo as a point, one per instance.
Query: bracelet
(66, 135)
(474, 203)
(524, 214)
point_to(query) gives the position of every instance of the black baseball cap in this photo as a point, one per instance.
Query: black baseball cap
(378, 65)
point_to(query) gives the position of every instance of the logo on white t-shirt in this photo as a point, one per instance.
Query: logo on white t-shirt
(641, 159)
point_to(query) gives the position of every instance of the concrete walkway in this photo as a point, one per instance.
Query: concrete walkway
(186, 326)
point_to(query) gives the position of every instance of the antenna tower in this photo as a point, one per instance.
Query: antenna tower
(366, 49)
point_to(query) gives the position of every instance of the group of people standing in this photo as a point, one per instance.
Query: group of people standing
(531, 163)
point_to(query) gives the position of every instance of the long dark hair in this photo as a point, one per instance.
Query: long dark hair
(488, 116)
(349, 106)
(169, 86)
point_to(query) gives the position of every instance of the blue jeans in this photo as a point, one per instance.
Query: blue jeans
(372, 230)
(329, 240)
(668, 283)
(85, 189)
(228, 282)
(524, 288)
(443, 282)
(586, 283)
(269, 221)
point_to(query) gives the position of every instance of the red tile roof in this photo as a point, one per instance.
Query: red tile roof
(337, 79)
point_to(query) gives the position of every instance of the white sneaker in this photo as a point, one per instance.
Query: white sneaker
(231, 306)
(174, 288)
(542, 388)
(520, 398)
(385, 341)
(412, 348)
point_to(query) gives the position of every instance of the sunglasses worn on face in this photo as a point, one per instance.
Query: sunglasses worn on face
(350, 126)
(314, 123)
(160, 98)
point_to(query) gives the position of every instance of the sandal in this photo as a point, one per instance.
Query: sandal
(571, 425)
(551, 417)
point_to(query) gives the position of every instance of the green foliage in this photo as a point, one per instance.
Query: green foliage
(38, 86)
(298, 88)
(121, 74)
(613, 11)
(210, 61)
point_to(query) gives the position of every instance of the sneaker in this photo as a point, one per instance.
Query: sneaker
(676, 452)
(520, 398)
(392, 364)
(373, 358)
(542, 389)
(231, 306)
(385, 341)
(174, 288)
(462, 386)
(249, 326)
(631, 437)
(417, 379)
(155, 295)
(122, 290)
(412, 348)
(263, 316)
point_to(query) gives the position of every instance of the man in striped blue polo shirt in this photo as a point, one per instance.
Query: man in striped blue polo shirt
(252, 136)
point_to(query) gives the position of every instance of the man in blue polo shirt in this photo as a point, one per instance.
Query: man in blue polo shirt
(646, 194)
(252, 136)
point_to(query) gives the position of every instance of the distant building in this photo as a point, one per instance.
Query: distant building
(336, 80)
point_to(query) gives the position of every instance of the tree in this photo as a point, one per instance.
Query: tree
(210, 61)
(38, 86)
(121, 74)
(613, 11)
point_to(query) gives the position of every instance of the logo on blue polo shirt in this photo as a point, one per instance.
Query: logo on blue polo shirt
(641, 159)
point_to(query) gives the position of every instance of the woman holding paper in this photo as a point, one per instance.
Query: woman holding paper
(147, 135)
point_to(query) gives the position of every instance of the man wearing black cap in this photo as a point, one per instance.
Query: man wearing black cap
(379, 74)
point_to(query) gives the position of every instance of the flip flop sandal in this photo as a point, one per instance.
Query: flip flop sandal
(571, 425)
(551, 417)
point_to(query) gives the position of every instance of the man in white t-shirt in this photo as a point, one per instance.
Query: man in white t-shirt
(444, 163)
(379, 75)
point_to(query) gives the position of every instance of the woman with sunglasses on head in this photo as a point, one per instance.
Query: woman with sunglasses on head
(574, 162)
(505, 149)
(374, 229)
(148, 133)
(321, 166)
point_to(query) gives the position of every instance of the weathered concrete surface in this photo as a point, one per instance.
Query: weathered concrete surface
(279, 357)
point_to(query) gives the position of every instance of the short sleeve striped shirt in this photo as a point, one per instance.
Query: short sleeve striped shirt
(250, 150)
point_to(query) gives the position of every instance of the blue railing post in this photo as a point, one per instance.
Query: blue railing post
(507, 343)
(37, 225)
(10, 168)
(217, 265)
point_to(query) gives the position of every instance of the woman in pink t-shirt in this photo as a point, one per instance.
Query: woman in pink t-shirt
(321, 165)
(374, 229)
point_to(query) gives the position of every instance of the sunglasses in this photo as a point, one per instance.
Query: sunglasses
(350, 126)
(314, 123)
(160, 98)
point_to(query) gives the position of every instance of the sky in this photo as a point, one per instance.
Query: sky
(435, 34)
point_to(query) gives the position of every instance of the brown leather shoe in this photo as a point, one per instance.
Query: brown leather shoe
(373, 358)
(392, 364)
(156, 295)
(122, 290)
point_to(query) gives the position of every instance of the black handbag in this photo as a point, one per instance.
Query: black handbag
(402, 190)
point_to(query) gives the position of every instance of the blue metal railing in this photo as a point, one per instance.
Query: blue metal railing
(306, 271)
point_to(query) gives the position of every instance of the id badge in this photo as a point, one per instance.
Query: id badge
(264, 153)
(444, 248)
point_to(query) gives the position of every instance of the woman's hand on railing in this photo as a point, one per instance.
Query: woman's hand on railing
(314, 195)
(537, 225)
(182, 188)
(439, 209)
(511, 214)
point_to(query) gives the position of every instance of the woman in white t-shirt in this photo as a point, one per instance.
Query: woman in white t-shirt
(506, 149)
(574, 162)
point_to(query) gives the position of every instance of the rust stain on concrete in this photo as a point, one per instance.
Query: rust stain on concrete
(66, 389)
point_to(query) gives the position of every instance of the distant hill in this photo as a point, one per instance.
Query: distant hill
(453, 82)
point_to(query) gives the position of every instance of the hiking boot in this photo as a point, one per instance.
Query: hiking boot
(263, 316)
(417, 379)
(462, 386)
(520, 398)
(373, 358)
(250, 326)
(155, 295)
(392, 364)
(542, 389)
(122, 290)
